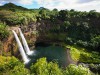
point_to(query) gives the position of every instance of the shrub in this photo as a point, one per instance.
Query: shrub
(69, 40)
(82, 55)
(42, 67)
(95, 68)
(77, 70)
(3, 31)
(11, 66)
(82, 43)
(96, 42)
(7, 63)
(19, 70)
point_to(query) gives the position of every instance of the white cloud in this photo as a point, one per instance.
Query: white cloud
(84, 1)
(0, 4)
(93, 5)
(23, 2)
(81, 5)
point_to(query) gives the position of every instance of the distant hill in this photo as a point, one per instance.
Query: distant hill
(12, 7)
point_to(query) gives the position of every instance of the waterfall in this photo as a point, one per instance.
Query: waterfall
(26, 47)
(24, 57)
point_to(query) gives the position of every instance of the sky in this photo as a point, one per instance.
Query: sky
(80, 5)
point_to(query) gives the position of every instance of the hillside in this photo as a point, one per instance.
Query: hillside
(12, 7)
(74, 27)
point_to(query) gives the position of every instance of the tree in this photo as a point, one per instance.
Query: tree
(63, 15)
(42, 67)
(93, 14)
(4, 33)
(77, 70)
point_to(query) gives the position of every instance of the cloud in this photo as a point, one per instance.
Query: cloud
(55, 3)
(93, 5)
(1, 4)
(23, 2)
(85, 1)
(81, 5)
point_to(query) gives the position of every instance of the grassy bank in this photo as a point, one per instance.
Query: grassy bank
(83, 55)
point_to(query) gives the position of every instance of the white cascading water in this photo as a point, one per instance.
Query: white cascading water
(26, 47)
(24, 57)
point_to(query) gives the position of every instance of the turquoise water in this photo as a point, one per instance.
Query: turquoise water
(52, 53)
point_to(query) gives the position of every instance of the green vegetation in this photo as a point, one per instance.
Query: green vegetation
(12, 7)
(4, 33)
(68, 26)
(11, 66)
(77, 70)
(42, 67)
(80, 31)
(17, 18)
(82, 55)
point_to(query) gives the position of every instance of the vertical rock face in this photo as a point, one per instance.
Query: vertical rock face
(8, 44)
(30, 27)
(10, 47)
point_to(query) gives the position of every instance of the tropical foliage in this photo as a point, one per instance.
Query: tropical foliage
(4, 33)
(12, 66)
(82, 55)
(79, 30)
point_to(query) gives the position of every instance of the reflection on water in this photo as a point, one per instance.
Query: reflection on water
(52, 53)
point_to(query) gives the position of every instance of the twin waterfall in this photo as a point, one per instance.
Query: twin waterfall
(21, 49)
(25, 43)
